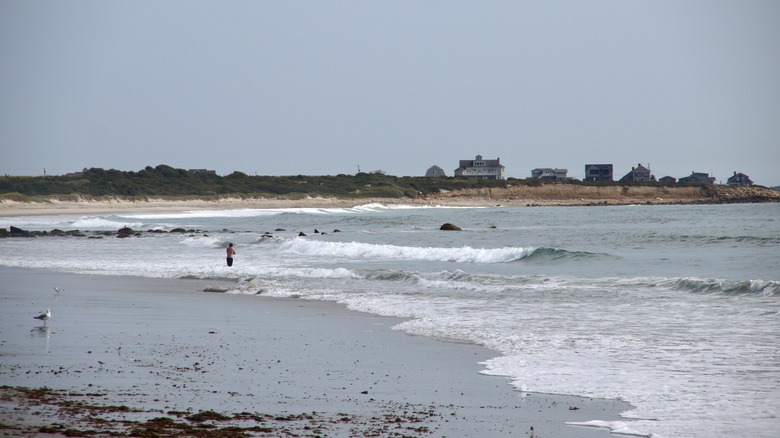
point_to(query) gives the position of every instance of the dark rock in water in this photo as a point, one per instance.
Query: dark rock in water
(125, 232)
(18, 232)
(57, 232)
(95, 237)
(280, 229)
(178, 230)
(302, 234)
(450, 227)
(217, 289)
(316, 232)
(336, 230)
(493, 226)
(3, 232)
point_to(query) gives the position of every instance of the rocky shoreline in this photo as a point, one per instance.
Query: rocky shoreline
(577, 195)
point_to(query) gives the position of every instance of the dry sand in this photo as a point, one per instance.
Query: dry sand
(545, 195)
(132, 354)
(475, 198)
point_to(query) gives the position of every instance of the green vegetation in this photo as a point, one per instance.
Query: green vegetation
(166, 181)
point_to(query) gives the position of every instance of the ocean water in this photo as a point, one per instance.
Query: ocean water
(675, 309)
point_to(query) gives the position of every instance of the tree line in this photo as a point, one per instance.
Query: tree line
(164, 180)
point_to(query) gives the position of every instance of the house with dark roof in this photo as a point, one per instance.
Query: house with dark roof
(434, 171)
(598, 172)
(739, 179)
(639, 173)
(668, 180)
(548, 173)
(697, 178)
(481, 168)
(206, 171)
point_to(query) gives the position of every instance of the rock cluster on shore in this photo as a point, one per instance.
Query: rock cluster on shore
(121, 233)
(745, 194)
(18, 232)
(608, 194)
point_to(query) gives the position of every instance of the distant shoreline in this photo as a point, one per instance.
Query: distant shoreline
(544, 195)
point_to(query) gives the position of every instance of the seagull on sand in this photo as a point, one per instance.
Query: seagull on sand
(44, 316)
(58, 289)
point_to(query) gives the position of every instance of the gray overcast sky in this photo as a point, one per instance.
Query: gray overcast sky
(320, 88)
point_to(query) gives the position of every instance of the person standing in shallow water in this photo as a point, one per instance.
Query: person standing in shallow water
(230, 253)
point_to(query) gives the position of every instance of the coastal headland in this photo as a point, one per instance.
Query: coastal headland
(543, 195)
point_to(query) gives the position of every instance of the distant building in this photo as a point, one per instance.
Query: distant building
(75, 174)
(739, 179)
(639, 173)
(598, 172)
(548, 173)
(434, 171)
(697, 178)
(668, 180)
(206, 171)
(482, 169)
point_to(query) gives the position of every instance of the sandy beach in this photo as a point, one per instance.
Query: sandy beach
(533, 196)
(123, 354)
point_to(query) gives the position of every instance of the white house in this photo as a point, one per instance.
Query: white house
(549, 173)
(480, 168)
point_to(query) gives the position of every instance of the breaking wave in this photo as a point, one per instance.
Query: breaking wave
(357, 250)
(729, 287)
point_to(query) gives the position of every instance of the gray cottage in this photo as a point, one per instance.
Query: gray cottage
(598, 172)
(639, 173)
(434, 171)
(739, 179)
(697, 178)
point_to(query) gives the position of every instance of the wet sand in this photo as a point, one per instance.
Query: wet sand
(122, 352)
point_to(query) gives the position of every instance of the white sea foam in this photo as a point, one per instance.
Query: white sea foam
(378, 207)
(102, 223)
(194, 214)
(203, 242)
(40, 223)
(357, 250)
(616, 427)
